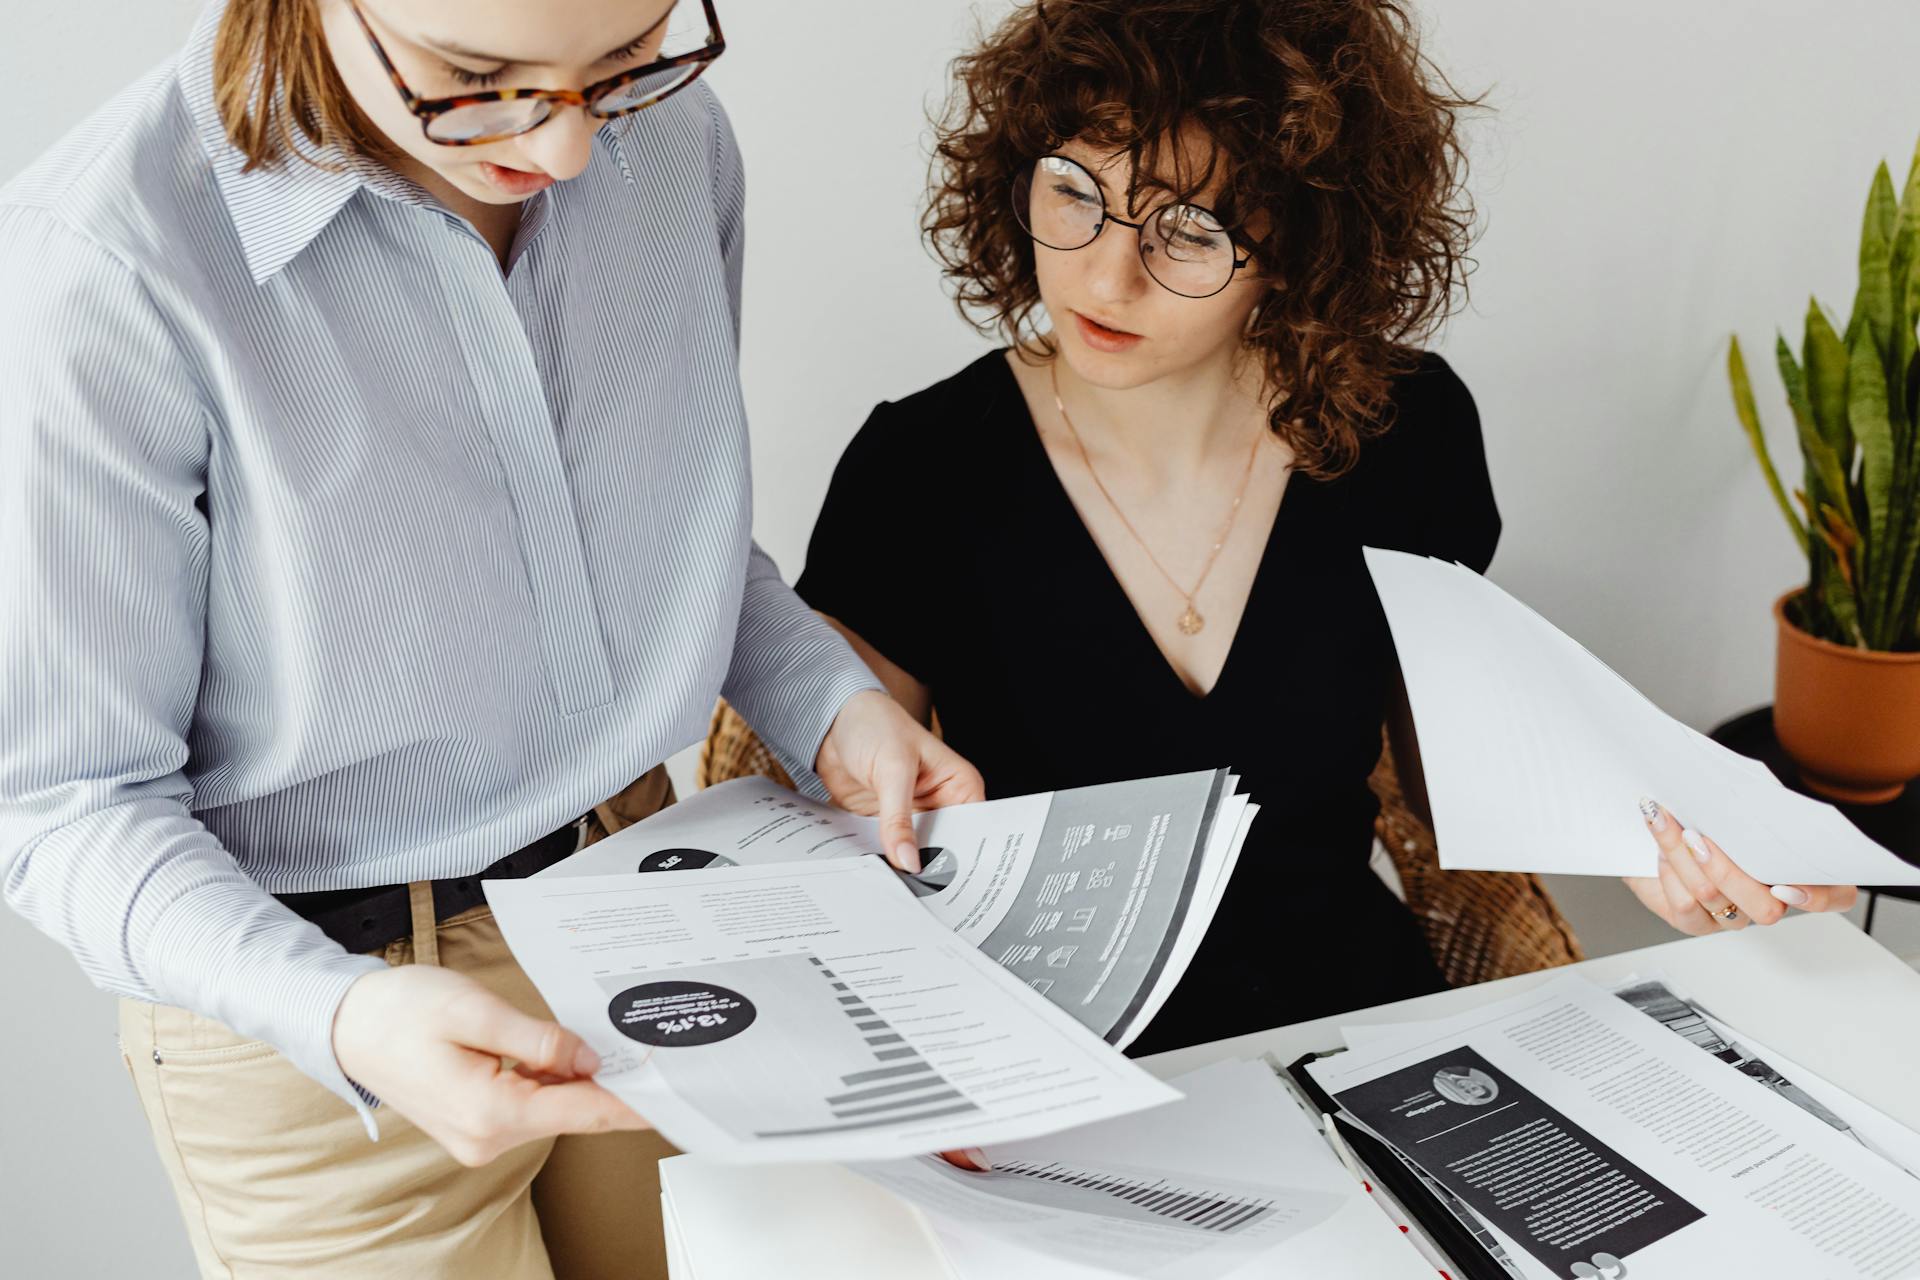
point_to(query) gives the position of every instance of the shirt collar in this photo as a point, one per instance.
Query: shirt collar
(279, 209)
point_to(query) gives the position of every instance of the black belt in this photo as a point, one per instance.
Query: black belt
(369, 919)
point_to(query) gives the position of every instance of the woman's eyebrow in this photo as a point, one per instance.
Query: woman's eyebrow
(1141, 186)
(458, 50)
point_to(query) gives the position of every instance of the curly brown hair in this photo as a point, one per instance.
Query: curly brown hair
(1322, 115)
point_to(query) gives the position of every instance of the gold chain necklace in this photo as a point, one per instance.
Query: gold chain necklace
(1190, 621)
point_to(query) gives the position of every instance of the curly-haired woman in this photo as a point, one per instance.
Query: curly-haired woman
(1213, 234)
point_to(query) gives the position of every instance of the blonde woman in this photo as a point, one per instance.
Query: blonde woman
(375, 506)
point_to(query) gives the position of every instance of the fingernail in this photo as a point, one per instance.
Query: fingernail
(585, 1061)
(1792, 895)
(1655, 816)
(908, 857)
(979, 1159)
(1693, 841)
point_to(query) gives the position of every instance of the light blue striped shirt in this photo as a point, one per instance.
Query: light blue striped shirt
(331, 556)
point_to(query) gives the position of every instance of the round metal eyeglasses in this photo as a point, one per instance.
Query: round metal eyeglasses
(1184, 247)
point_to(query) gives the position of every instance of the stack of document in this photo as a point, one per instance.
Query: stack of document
(781, 993)
(1570, 1131)
(1575, 1132)
(1237, 1179)
(1536, 754)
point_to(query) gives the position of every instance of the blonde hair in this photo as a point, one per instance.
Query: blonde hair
(274, 84)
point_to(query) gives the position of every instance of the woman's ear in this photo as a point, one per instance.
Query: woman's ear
(1253, 316)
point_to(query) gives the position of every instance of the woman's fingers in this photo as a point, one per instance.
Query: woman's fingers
(1755, 900)
(485, 1022)
(1652, 897)
(972, 1159)
(878, 759)
(1738, 885)
(1665, 828)
(1680, 866)
(1726, 911)
(1684, 911)
(1717, 882)
(946, 777)
(1679, 873)
(1689, 915)
(1647, 889)
(1771, 907)
(578, 1107)
(1817, 897)
(894, 777)
(472, 1071)
(1663, 894)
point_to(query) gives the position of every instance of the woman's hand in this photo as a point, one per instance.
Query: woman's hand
(1700, 890)
(428, 1043)
(878, 759)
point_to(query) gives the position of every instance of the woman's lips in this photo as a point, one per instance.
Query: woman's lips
(516, 182)
(1101, 338)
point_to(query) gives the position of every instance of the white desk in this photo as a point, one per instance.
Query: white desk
(1813, 988)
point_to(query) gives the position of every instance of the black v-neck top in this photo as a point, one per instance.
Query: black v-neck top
(948, 543)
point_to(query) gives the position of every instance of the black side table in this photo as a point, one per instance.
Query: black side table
(1895, 825)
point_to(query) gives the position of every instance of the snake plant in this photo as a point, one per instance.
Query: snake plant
(1855, 400)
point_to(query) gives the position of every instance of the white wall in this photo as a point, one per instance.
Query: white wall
(1655, 176)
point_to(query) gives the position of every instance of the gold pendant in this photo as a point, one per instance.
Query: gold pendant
(1191, 622)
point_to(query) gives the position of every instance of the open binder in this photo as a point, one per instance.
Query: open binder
(1426, 1213)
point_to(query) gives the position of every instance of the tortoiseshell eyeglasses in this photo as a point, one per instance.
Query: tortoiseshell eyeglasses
(471, 119)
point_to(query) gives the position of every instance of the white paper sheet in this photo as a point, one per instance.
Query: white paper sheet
(1536, 754)
(1581, 1127)
(1766, 1068)
(1096, 897)
(1216, 869)
(805, 1011)
(1234, 1180)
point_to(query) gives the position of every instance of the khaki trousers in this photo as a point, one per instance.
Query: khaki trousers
(275, 1175)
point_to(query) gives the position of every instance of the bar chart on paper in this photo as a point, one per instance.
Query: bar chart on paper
(1238, 1171)
(904, 1086)
(864, 1072)
(1145, 1197)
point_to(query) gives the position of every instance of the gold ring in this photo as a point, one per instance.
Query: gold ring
(1727, 914)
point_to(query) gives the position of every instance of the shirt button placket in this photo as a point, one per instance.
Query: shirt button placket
(507, 386)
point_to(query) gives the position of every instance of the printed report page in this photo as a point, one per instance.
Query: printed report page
(808, 1011)
(1592, 1139)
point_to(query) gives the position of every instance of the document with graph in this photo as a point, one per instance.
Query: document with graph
(1095, 897)
(1232, 1180)
(805, 1011)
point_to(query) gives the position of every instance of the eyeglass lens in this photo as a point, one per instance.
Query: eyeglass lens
(1183, 246)
(479, 120)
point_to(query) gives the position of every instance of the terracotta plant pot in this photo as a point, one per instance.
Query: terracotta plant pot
(1849, 718)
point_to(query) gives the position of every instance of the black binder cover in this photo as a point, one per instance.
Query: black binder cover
(1441, 1227)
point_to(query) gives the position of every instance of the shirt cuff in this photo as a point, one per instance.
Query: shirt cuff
(325, 1069)
(816, 707)
(791, 672)
(274, 976)
(309, 1004)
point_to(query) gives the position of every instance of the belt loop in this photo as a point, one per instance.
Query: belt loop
(426, 929)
